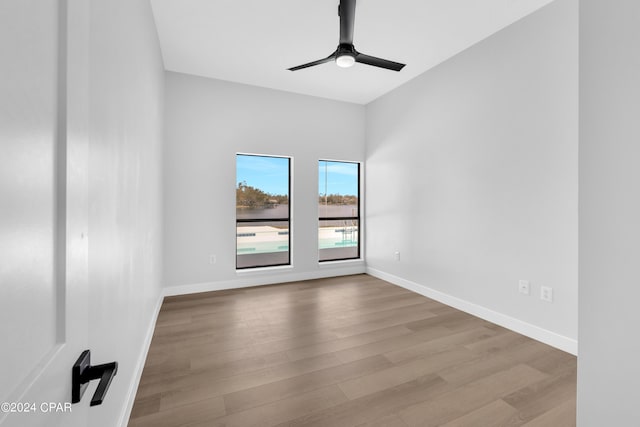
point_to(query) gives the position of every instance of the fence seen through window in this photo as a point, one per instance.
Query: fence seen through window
(339, 210)
(262, 211)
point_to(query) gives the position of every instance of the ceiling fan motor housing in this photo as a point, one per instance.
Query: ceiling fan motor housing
(346, 49)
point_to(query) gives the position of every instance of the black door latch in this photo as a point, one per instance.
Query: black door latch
(83, 372)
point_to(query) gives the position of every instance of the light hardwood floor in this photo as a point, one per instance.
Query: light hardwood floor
(347, 351)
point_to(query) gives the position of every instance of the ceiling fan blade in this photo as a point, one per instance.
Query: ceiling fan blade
(347, 13)
(378, 62)
(314, 63)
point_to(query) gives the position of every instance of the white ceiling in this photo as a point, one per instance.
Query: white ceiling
(255, 41)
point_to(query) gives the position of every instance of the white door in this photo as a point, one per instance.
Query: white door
(43, 211)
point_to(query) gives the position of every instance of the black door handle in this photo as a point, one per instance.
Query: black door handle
(82, 373)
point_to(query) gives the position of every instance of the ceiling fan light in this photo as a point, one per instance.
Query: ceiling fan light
(345, 61)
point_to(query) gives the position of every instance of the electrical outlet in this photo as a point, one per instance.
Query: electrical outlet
(397, 255)
(523, 287)
(546, 294)
(212, 259)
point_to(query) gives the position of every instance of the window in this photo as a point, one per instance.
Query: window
(339, 210)
(262, 211)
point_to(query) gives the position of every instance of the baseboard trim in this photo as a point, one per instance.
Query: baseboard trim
(263, 278)
(539, 334)
(137, 373)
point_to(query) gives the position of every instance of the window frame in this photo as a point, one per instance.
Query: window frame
(256, 220)
(345, 218)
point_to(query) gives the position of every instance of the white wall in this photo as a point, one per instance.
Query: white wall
(608, 368)
(472, 175)
(206, 123)
(125, 158)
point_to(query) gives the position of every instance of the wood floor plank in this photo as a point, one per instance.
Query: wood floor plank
(470, 397)
(390, 344)
(343, 343)
(215, 370)
(563, 415)
(392, 420)
(484, 365)
(226, 368)
(535, 400)
(421, 348)
(498, 343)
(282, 411)
(400, 374)
(256, 396)
(192, 389)
(344, 351)
(453, 319)
(372, 407)
(496, 413)
(201, 411)
(146, 406)
(386, 318)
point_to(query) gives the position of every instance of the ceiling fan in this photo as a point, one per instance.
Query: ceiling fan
(346, 55)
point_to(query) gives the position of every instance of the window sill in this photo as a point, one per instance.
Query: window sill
(274, 269)
(344, 262)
